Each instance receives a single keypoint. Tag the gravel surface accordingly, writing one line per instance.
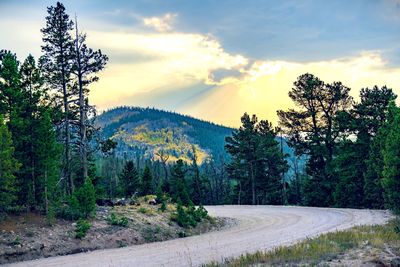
(256, 228)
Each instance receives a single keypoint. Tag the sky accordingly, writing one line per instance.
(216, 59)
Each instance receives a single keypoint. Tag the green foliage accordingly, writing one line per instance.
(349, 188)
(147, 182)
(173, 132)
(81, 204)
(391, 159)
(189, 216)
(8, 167)
(86, 197)
(130, 179)
(257, 162)
(178, 187)
(81, 229)
(142, 210)
(113, 219)
(163, 207)
(311, 130)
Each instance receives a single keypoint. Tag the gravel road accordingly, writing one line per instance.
(256, 228)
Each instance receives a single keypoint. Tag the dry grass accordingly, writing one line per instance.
(323, 248)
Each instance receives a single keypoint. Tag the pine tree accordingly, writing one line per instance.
(312, 131)
(47, 152)
(178, 190)
(130, 179)
(86, 63)
(8, 167)
(391, 160)
(257, 162)
(15, 108)
(371, 115)
(147, 182)
(272, 166)
(57, 64)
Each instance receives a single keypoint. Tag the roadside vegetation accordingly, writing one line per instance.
(27, 236)
(374, 245)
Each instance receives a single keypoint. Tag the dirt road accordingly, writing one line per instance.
(257, 228)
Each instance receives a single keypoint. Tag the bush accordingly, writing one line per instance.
(163, 207)
(142, 210)
(190, 216)
(81, 204)
(82, 227)
(115, 220)
(86, 197)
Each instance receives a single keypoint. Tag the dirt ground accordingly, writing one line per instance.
(256, 228)
(28, 236)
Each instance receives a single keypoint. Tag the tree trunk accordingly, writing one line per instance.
(82, 110)
(46, 200)
(253, 185)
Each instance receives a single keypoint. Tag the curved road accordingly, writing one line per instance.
(257, 228)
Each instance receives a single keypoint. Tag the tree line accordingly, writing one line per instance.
(351, 147)
(46, 121)
(52, 159)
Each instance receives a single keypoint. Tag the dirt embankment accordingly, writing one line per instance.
(28, 236)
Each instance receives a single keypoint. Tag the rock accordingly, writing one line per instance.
(105, 202)
(120, 202)
(152, 202)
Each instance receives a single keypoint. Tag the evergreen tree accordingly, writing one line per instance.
(147, 182)
(47, 152)
(85, 198)
(197, 187)
(312, 131)
(86, 63)
(178, 187)
(371, 115)
(349, 188)
(391, 160)
(8, 167)
(257, 162)
(130, 179)
(272, 166)
(15, 106)
(242, 147)
(57, 64)
(359, 178)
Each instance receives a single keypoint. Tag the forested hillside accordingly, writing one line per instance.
(148, 131)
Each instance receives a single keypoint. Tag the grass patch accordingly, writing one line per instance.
(116, 220)
(143, 210)
(323, 248)
(81, 229)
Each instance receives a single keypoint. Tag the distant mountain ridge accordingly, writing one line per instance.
(146, 131)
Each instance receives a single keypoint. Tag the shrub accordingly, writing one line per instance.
(190, 216)
(115, 220)
(82, 227)
(81, 204)
(86, 196)
(142, 210)
(163, 207)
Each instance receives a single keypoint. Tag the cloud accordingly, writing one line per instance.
(194, 74)
(161, 24)
(159, 61)
(263, 87)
